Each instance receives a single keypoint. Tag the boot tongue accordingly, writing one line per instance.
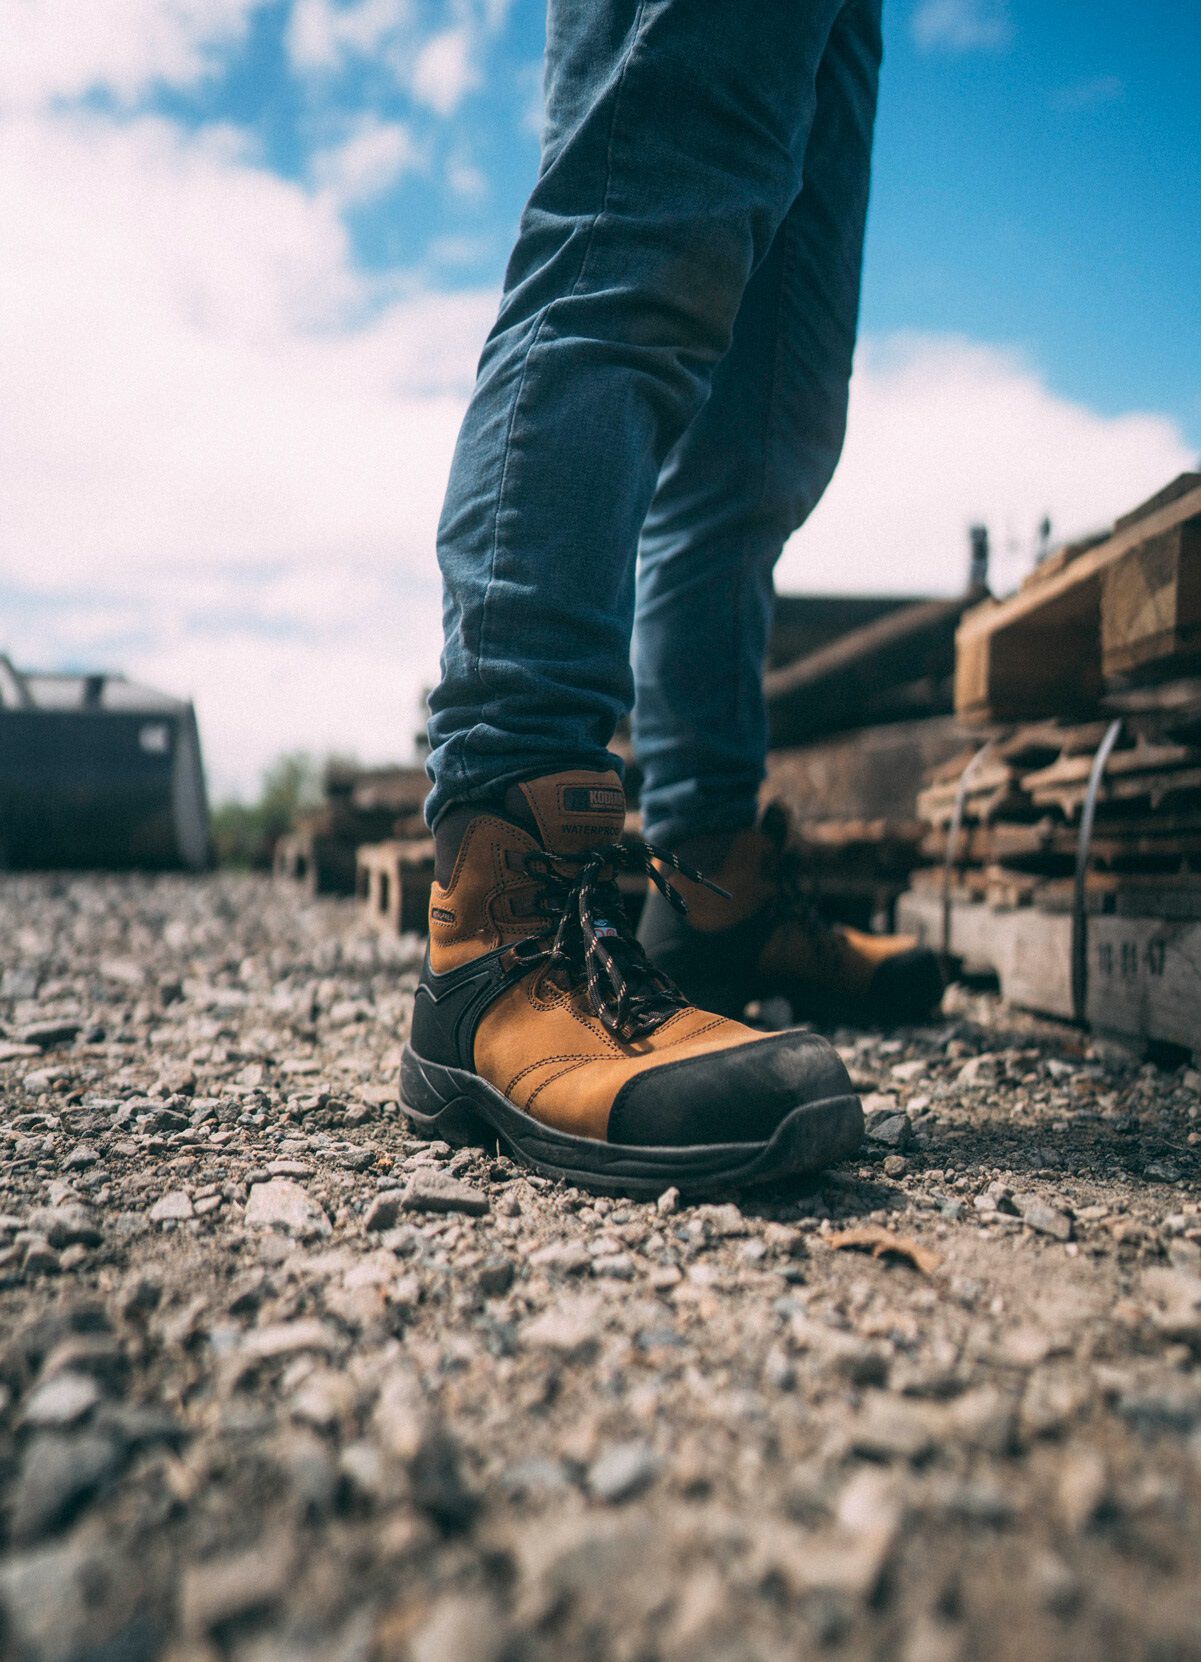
(573, 812)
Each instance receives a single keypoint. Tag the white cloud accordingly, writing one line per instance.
(64, 48)
(465, 178)
(323, 35)
(368, 161)
(963, 25)
(944, 432)
(444, 71)
(230, 456)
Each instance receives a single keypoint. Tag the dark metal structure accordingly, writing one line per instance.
(97, 772)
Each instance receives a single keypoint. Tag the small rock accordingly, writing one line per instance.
(895, 1165)
(622, 1471)
(40, 1258)
(893, 1130)
(45, 1603)
(287, 1339)
(1045, 1219)
(66, 1225)
(384, 1210)
(58, 1475)
(323, 1400)
(618, 1266)
(570, 1329)
(433, 1191)
(894, 1427)
(984, 1418)
(495, 1276)
(173, 1207)
(49, 1035)
(61, 1401)
(1175, 1297)
(1082, 1488)
(222, 1590)
(668, 1202)
(280, 1203)
(461, 1628)
(1161, 1171)
(12, 1052)
(437, 1485)
(562, 1257)
(82, 1155)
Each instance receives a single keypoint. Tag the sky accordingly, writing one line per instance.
(252, 248)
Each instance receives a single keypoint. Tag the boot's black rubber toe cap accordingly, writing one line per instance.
(907, 986)
(727, 1096)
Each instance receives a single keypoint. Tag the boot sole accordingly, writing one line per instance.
(459, 1107)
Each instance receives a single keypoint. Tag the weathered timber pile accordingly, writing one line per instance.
(1090, 619)
(857, 721)
(1067, 848)
(361, 807)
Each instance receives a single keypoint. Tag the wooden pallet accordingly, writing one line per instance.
(1130, 602)
(1143, 973)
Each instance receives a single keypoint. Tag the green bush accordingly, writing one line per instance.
(245, 833)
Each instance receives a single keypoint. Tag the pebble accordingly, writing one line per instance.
(433, 1191)
(1082, 1488)
(61, 1401)
(1044, 1218)
(569, 1329)
(280, 1203)
(58, 1474)
(462, 1627)
(622, 1471)
(893, 1130)
(49, 1035)
(223, 1589)
(173, 1207)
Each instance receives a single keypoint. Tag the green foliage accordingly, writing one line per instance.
(245, 833)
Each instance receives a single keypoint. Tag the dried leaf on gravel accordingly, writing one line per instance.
(883, 1243)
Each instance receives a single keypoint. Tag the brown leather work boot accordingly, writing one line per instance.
(767, 940)
(539, 1023)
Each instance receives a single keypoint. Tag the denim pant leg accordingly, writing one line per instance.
(675, 131)
(749, 470)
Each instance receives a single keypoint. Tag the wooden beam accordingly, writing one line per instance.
(1151, 604)
(896, 667)
(1038, 653)
(1144, 973)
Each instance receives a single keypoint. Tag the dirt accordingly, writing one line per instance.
(280, 1383)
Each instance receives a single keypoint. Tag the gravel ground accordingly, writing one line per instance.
(280, 1383)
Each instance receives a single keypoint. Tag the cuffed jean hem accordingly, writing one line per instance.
(448, 794)
(713, 819)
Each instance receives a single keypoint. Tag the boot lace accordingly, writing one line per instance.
(592, 944)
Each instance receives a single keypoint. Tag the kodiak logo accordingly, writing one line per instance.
(593, 799)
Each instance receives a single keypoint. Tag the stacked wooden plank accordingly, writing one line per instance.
(857, 720)
(1095, 615)
(361, 806)
(1074, 876)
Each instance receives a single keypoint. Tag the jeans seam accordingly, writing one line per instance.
(481, 655)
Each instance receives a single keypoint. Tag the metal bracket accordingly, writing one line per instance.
(1088, 815)
(954, 832)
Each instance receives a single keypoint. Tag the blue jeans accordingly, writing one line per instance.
(664, 391)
